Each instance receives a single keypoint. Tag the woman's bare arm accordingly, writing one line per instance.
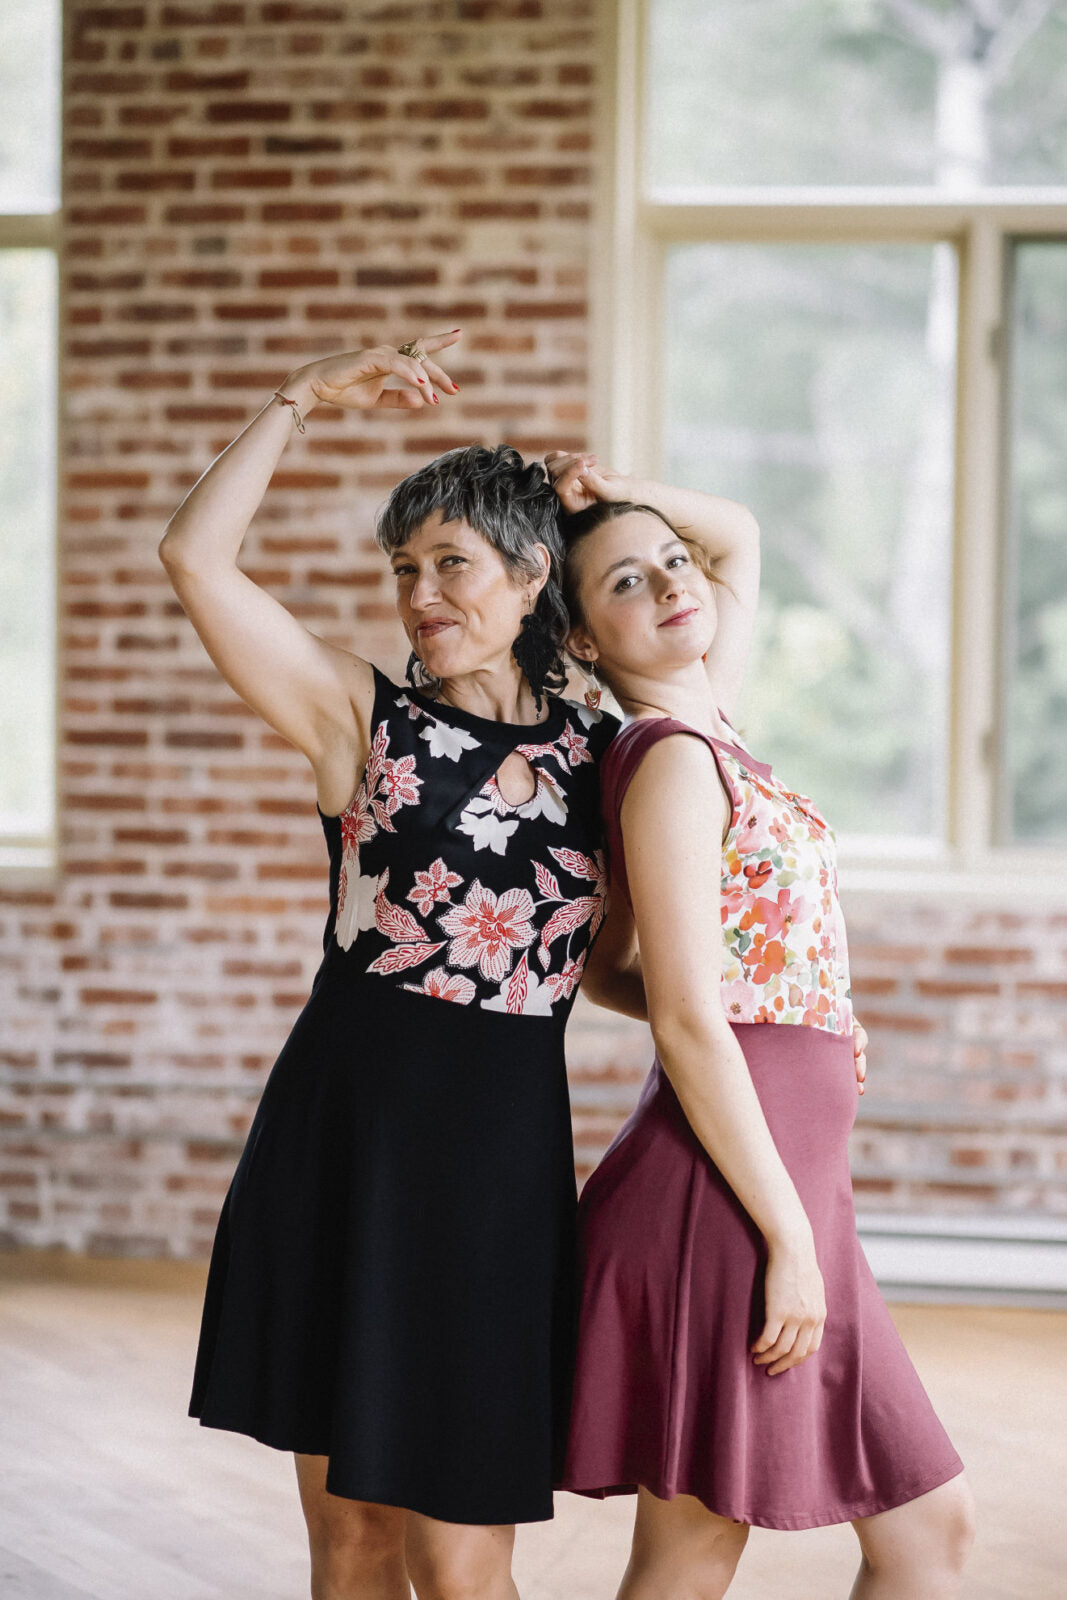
(314, 694)
(673, 807)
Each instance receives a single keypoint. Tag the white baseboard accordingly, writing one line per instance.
(988, 1261)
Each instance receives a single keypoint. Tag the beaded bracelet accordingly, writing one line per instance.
(285, 400)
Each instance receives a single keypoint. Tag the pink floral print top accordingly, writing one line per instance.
(785, 953)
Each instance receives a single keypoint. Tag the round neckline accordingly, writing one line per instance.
(666, 717)
(532, 731)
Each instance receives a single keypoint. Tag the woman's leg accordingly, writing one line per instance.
(357, 1549)
(681, 1551)
(917, 1551)
(457, 1561)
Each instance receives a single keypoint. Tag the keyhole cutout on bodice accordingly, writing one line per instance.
(516, 779)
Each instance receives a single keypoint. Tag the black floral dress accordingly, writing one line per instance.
(392, 1279)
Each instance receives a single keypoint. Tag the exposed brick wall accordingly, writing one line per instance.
(249, 185)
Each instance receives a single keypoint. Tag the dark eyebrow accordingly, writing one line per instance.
(442, 544)
(631, 561)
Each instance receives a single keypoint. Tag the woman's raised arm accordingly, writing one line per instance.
(314, 694)
(673, 815)
(725, 530)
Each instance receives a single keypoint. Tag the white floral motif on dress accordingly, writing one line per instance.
(356, 900)
(561, 985)
(493, 936)
(522, 994)
(445, 740)
(386, 786)
(572, 914)
(398, 786)
(432, 887)
(480, 821)
(487, 927)
(546, 801)
(440, 984)
(576, 746)
(490, 820)
(411, 942)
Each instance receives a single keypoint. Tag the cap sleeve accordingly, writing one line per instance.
(624, 755)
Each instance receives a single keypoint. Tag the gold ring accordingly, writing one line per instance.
(411, 349)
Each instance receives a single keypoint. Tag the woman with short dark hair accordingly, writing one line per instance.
(390, 1293)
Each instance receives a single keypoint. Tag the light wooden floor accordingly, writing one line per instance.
(108, 1492)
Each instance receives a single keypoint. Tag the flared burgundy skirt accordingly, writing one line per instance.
(666, 1393)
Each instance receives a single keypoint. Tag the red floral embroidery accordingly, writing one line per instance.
(396, 923)
(398, 787)
(441, 984)
(572, 914)
(402, 956)
(576, 746)
(561, 985)
(487, 927)
(432, 887)
(518, 988)
(594, 868)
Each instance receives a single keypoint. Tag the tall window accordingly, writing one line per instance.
(29, 204)
(841, 297)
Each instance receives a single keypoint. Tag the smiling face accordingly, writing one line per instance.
(460, 607)
(647, 610)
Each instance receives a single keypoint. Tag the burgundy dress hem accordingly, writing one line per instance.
(888, 1500)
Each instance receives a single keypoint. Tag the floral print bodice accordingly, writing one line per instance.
(445, 889)
(785, 953)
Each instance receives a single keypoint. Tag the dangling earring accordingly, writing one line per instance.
(538, 656)
(593, 691)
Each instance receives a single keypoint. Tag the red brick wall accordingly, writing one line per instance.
(248, 185)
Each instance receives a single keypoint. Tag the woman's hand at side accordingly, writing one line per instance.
(316, 695)
(860, 1042)
(673, 814)
(794, 1305)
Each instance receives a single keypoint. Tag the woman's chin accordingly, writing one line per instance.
(679, 649)
(439, 660)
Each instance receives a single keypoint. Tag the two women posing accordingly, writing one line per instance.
(392, 1293)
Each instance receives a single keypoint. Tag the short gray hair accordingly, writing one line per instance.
(513, 506)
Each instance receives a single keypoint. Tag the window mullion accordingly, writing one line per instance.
(976, 598)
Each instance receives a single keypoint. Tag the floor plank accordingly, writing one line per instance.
(109, 1492)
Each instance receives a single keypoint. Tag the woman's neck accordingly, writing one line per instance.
(688, 697)
(498, 694)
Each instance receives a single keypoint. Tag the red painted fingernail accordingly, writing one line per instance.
(456, 387)
(420, 380)
(435, 400)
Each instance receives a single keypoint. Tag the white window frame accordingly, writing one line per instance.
(633, 234)
(35, 856)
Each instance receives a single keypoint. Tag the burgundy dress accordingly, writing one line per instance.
(666, 1393)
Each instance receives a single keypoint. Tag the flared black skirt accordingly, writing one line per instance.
(392, 1282)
